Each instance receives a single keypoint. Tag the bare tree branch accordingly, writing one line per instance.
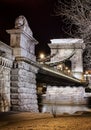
(79, 14)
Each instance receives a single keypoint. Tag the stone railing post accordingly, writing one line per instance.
(23, 75)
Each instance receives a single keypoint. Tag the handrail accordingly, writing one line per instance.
(61, 73)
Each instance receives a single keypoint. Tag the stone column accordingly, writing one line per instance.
(77, 64)
(23, 75)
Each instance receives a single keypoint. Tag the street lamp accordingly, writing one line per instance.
(42, 56)
(86, 75)
(60, 67)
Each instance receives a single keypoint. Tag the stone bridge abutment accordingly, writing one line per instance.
(18, 74)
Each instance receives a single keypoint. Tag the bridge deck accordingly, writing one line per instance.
(53, 77)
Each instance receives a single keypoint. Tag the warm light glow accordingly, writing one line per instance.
(68, 71)
(60, 66)
(42, 56)
(66, 68)
(86, 72)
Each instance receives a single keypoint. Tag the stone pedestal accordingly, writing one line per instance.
(23, 75)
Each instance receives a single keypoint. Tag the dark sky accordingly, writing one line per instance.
(39, 13)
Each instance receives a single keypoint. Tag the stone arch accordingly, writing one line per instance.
(72, 49)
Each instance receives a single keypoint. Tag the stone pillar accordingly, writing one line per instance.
(71, 48)
(87, 57)
(77, 64)
(87, 64)
(23, 75)
(6, 61)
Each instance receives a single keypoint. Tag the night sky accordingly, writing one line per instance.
(40, 15)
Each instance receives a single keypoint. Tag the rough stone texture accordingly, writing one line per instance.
(77, 69)
(87, 57)
(23, 74)
(66, 95)
(65, 99)
(6, 61)
(23, 89)
(6, 52)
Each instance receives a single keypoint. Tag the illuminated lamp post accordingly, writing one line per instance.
(66, 68)
(42, 56)
(86, 75)
(60, 67)
(69, 71)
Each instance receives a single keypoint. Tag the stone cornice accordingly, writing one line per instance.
(21, 31)
(27, 61)
(67, 46)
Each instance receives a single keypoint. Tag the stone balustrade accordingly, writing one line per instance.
(6, 63)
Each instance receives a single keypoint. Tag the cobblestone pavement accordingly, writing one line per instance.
(40, 121)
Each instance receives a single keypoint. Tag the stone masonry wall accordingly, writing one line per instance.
(6, 61)
(23, 87)
(66, 95)
(65, 100)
